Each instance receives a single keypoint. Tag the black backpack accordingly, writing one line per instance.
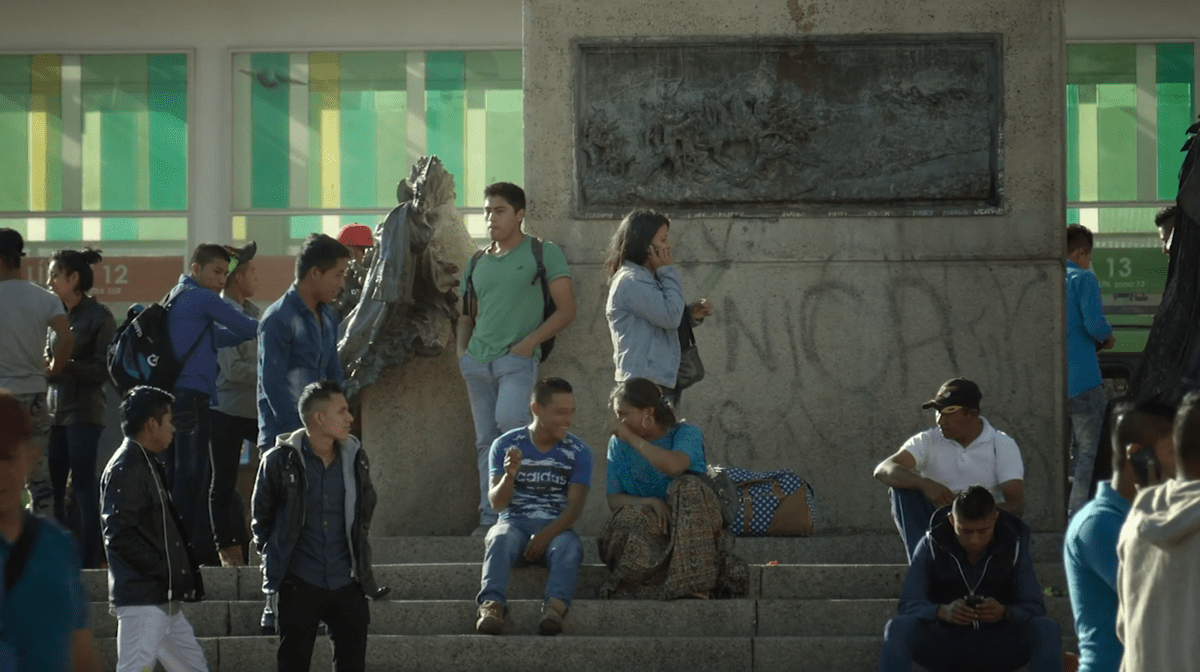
(141, 352)
(548, 306)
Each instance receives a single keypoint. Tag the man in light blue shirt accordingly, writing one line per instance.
(1086, 326)
(1090, 546)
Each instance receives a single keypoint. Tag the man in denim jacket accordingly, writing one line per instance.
(297, 339)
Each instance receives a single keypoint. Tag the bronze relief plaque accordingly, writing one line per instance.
(826, 126)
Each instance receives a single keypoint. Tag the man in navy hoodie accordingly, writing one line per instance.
(971, 600)
(199, 321)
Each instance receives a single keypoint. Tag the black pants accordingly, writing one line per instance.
(225, 505)
(302, 606)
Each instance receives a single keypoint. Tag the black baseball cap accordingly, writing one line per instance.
(11, 243)
(956, 392)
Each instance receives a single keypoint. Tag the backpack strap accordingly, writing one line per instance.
(470, 293)
(536, 247)
(21, 551)
(169, 301)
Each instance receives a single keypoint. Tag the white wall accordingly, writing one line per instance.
(1132, 19)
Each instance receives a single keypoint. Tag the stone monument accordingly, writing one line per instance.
(869, 194)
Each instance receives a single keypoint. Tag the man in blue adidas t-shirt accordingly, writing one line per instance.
(540, 477)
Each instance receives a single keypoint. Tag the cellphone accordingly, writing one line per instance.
(1143, 461)
(974, 600)
(651, 248)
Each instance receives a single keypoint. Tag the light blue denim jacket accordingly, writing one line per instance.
(643, 318)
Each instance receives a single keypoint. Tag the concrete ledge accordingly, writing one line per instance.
(460, 581)
(859, 582)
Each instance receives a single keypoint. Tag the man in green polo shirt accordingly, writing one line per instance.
(499, 336)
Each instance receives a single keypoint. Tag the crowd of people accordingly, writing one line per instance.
(166, 503)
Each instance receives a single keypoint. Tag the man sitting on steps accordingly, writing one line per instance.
(540, 477)
(971, 600)
(963, 449)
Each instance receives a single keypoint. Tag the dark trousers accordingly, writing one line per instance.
(944, 648)
(187, 468)
(73, 451)
(225, 505)
(911, 510)
(302, 606)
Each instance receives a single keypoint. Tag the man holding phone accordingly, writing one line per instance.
(971, 599)
(1142, 456)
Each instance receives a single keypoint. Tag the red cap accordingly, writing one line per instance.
(358, 235)
(15, 422)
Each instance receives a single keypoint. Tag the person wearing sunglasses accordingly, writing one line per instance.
(938, 463)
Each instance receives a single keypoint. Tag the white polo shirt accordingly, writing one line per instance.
(991, 459)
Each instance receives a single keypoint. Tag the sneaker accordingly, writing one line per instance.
(553, 612)
(482, 530)
(491, 618)
(231, 556)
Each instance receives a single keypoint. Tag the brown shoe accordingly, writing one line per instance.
(491, 618)
(553, 612)
(231, 556)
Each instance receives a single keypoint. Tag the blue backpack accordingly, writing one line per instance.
(141, 352)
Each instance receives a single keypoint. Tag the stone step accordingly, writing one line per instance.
(460, 581)
(591, 618)
(455, 653)
(869, 548)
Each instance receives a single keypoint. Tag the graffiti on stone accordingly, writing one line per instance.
(820, 126)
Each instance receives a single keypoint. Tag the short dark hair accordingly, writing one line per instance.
(80, 263)
(641, 393)
(1143, 423)
(1166, 216)
(974, 503)
(320, 392)
(546, 388)
(321, 252)
(631, 242)
(1079, 237)
(206, 253)
(511, 193)
(1187, 434)
(140, 404)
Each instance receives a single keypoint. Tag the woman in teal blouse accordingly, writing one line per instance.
(661, 510)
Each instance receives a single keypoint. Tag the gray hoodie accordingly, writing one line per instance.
(1158, 580)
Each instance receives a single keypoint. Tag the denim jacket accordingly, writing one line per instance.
(644, 312)
(293, 351)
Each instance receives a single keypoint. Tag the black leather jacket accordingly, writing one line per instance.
(278, 509)
(149, 559)
(77, 394)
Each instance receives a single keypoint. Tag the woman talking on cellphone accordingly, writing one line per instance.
(645, 301)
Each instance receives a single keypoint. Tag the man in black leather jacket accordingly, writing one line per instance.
(312, 508)
(151, 570)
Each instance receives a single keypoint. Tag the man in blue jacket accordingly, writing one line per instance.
(1090, 546)
(1086, 327)
(199, 318)
(297, 341)
(971, 600)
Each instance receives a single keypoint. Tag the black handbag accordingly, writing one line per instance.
(691, 369)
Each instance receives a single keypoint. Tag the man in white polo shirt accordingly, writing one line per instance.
(936, 464)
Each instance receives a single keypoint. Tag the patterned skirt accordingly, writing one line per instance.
(695, 555)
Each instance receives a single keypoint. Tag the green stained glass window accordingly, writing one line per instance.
(93, 133)
(336, 131)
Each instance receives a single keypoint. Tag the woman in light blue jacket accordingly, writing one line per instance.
(645, 301)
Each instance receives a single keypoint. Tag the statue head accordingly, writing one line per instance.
(428, 184)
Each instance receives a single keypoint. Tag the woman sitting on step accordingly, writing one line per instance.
(666, 538)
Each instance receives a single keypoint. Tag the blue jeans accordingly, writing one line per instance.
(505, 549)
(73, 451)
(911, 510)
(945, 648)
(499, 392)
(187, 462)
(1086, 414)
